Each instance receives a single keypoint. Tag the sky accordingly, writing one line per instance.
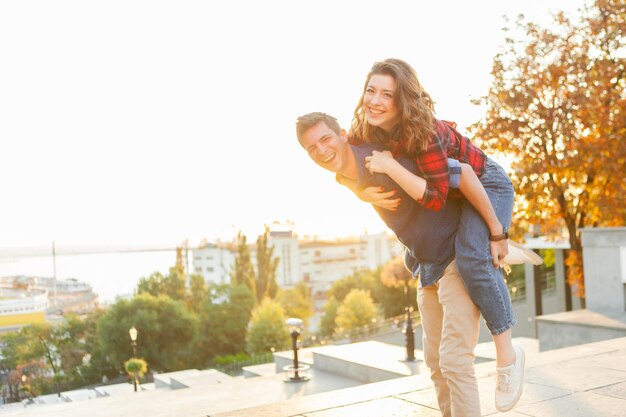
(154, 122)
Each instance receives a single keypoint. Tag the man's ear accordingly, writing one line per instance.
(344, 135)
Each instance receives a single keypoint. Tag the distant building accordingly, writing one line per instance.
(316, 262)
(213, 262)
(29, 299)
(20, 307)
(286, 249)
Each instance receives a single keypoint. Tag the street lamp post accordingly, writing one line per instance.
(295, 326)
(133, 341)
(408, 327)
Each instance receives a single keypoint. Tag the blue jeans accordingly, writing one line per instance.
(485, 284)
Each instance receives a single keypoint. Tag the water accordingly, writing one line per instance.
(109, 274)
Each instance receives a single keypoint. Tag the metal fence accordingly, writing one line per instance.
(236, 368)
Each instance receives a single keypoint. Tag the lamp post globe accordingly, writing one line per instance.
(133, 339)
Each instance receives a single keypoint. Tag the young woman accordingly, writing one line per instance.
(394, 110)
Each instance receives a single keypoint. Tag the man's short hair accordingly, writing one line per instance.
(307, 121)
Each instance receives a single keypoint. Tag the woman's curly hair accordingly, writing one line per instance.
(417, 120)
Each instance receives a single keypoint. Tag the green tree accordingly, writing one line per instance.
(365, 280)
(390, 299)
(267, 329)
(20, 358)
(223, 322)
(154, 284)
(75, 343)
(327, 322)
(297, 302)
(172, 285)
(166, 330)
(54, 357)
(556, 107)
(242, 271)
(95, 361)
(356, 311)
(175, 283)
(42, 341)
(197, 294)
(266, 267)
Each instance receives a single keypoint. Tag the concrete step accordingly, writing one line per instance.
(579, 381)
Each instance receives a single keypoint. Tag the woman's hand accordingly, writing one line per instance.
(499, 250)
(379, 197)
(379, 162)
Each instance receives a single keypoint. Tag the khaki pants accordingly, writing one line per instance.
(450, 324)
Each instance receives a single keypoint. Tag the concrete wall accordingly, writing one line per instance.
(604, 257)
(557, 332)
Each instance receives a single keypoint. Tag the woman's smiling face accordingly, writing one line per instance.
(379, 102)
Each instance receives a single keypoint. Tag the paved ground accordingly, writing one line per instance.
(579, 381)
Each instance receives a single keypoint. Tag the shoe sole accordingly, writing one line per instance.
(519, 394)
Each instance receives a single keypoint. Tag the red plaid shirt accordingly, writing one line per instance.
(432, 163)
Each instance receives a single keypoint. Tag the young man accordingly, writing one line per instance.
(449, 317)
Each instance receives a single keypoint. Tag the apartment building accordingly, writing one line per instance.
(316, 262)
(213, 262)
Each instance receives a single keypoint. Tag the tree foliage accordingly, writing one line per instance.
(394, 274)
(242, 272)
(136, 368)
(223, 322)
(556, 107)
(172, 285)
(267, 330)
(197, 293)
(297, 302)
(365, 280)
(50, 357)
(356, 311)
(165, 331)
(391, 299)
(262, 279)
(329, 315)
(266, 264)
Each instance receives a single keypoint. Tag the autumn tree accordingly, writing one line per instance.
(556, 108)
(399, 288)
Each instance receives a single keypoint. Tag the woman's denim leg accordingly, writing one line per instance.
(484, 283)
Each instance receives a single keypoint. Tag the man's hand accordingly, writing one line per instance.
(379, 197)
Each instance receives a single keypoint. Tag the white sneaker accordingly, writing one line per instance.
(521, 255)
(510, 381)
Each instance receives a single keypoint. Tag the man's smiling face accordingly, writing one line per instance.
(327, 148)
